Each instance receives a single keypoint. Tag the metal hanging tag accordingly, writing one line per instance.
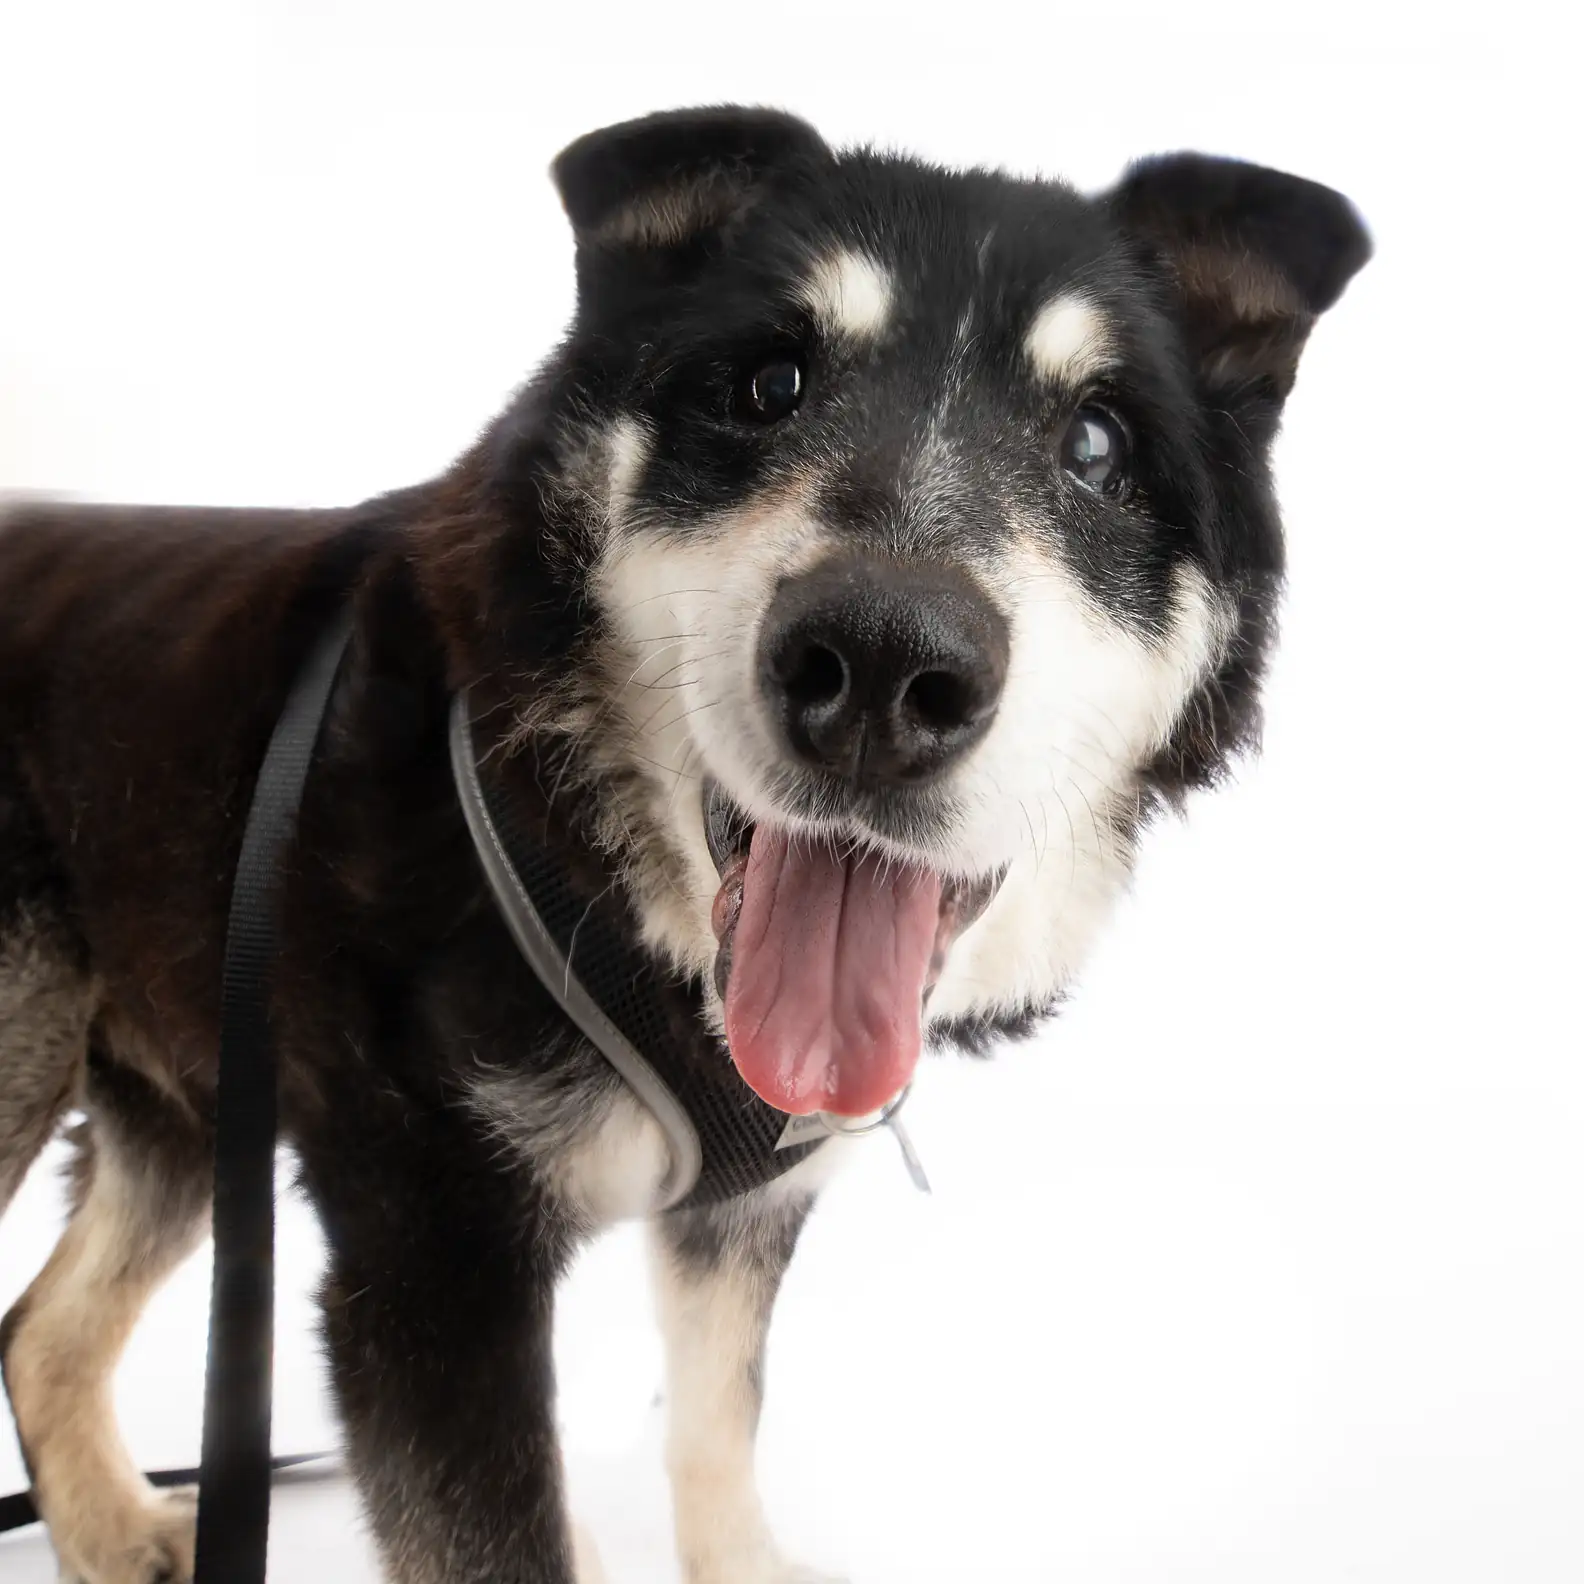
(910, 1158)
(800, 1128)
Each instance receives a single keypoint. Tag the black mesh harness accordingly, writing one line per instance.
(724, 1139)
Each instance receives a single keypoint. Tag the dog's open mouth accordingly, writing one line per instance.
(827, 953)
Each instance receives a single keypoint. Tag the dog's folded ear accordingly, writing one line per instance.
(1256, 256)
(666, 178)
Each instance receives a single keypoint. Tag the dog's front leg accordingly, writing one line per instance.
(438, 1320)
(717, 1272)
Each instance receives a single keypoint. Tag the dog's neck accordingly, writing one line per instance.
(496, 565)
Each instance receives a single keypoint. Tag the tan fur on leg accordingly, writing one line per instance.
(63, 1340)
(714, 1318)
(712, 1338)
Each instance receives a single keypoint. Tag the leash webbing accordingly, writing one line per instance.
(19, 1510)
(235, 1465)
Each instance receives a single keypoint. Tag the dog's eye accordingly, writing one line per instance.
(1095, 450)
(772, 391)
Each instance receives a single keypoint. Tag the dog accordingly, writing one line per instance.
(881, 548)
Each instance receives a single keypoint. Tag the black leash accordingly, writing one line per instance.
(234, 1472)
(235, 1464)
(18, 1511)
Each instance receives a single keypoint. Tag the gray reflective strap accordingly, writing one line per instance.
(544, 956)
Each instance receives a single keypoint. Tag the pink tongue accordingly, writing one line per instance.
(828, 964)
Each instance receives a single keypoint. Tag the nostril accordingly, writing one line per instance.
(882, 674)
(939, 700)
(819, 676)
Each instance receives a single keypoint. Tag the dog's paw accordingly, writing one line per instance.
(151, 1543)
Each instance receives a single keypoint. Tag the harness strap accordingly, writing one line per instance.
(538, 944)
(725, 1141)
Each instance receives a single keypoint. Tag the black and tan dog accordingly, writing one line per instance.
(880, 548)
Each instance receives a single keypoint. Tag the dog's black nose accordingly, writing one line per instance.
(882, 673)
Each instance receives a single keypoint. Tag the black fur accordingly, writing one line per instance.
(726, 149)
(1310, 235)
(400, 997)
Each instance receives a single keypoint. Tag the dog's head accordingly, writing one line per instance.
(930, 538)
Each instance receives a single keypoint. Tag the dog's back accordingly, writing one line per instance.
(104, 607)
(164, 640)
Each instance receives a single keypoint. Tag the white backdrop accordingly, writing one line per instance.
(1263, 1263)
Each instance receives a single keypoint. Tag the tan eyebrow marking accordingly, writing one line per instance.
(849, 294)
(1068, 340)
